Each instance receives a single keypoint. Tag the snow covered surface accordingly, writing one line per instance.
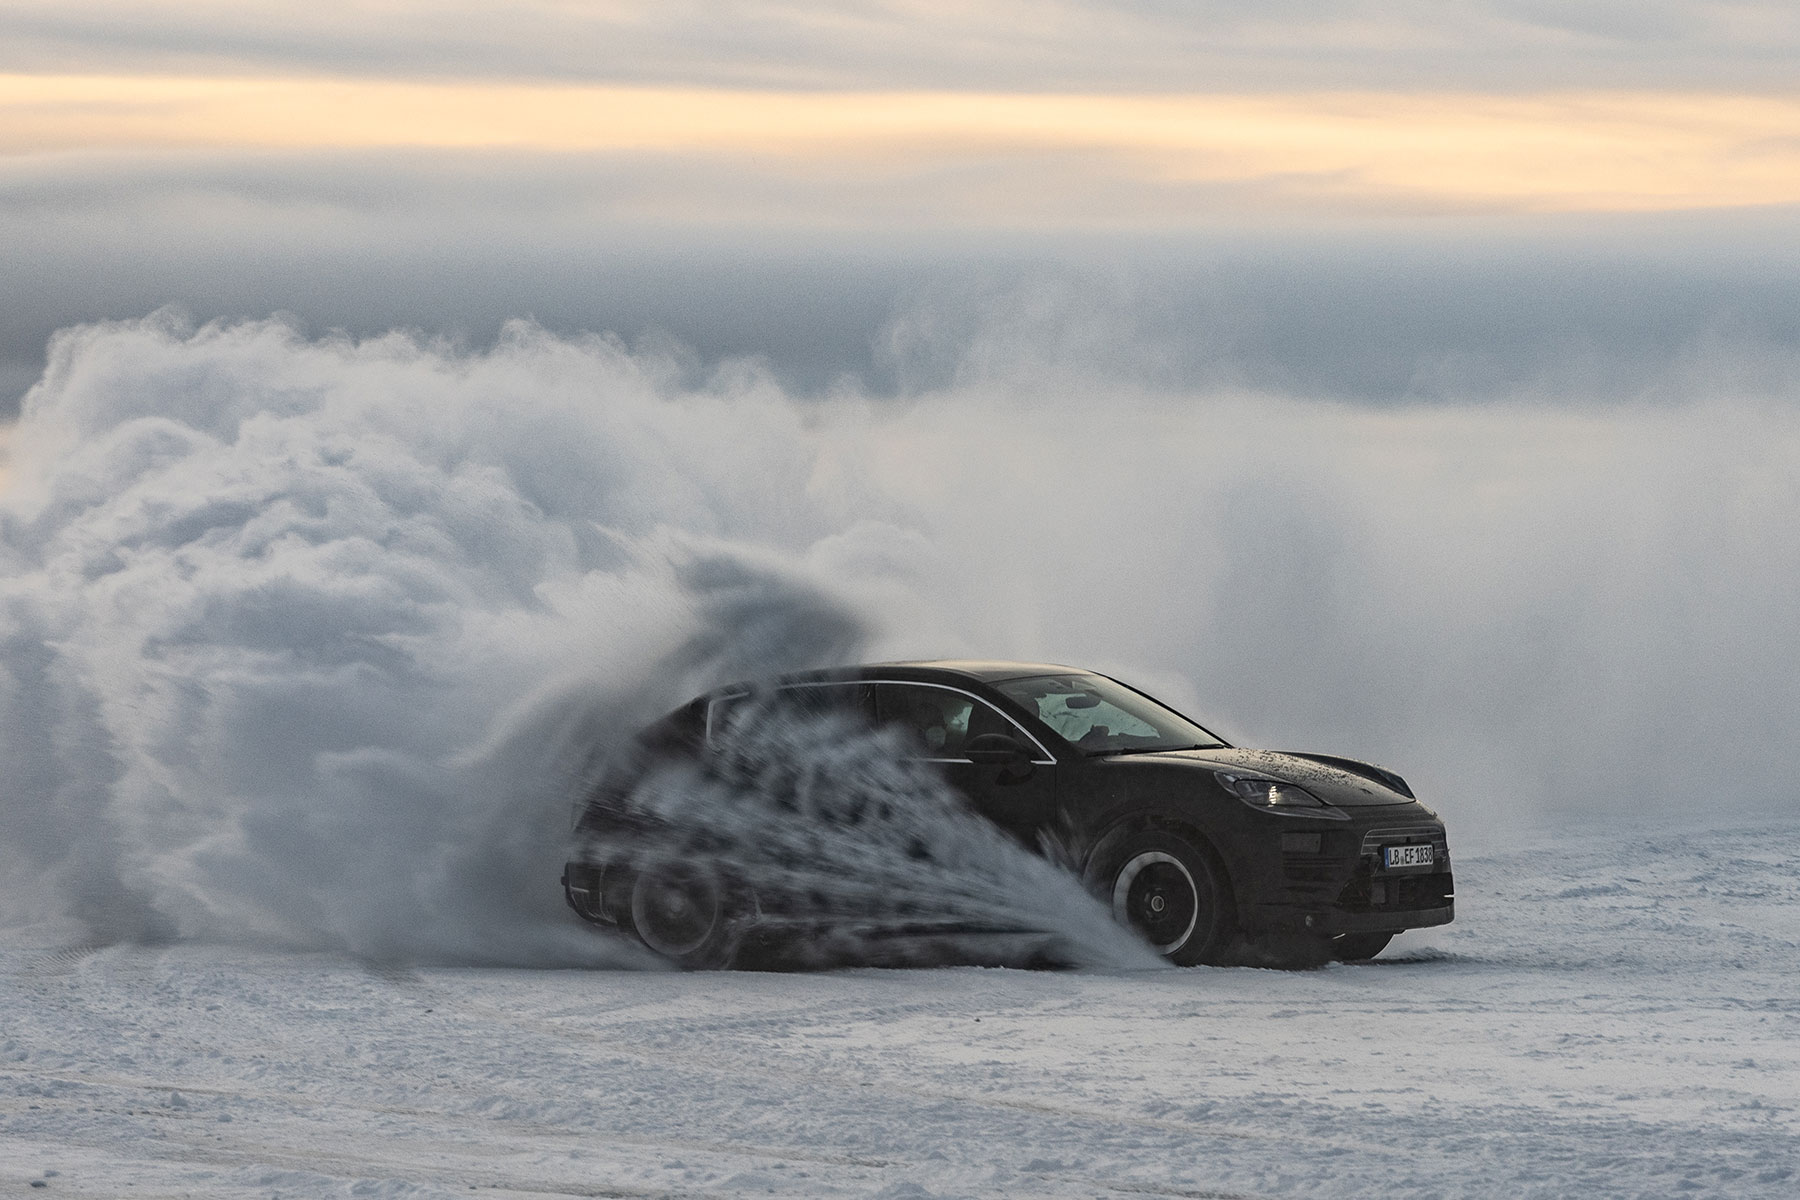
(1610, 1016)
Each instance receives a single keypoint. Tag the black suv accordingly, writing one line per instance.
(1210, 852)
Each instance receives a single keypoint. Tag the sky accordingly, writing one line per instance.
(1283, 194)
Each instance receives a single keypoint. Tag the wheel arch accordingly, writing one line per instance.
(1166, 821)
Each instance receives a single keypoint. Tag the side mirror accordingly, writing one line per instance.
(996, 749)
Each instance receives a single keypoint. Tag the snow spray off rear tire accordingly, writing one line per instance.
(683, 913)
(1167, 890)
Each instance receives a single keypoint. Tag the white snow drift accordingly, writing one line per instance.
(1611, 1017)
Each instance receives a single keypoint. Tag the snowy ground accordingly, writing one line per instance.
(1620, 1019)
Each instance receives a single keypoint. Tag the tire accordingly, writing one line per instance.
(683, 913)
(1359, 947)
(1167, 890)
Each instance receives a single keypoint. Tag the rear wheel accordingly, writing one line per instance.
(683, 913)
(1359, 947)
(1166, 889)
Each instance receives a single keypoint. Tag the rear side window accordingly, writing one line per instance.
(679, 732)
(801, 701)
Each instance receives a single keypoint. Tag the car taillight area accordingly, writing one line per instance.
(582, 887)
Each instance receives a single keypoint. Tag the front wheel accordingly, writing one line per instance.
(1165, 889)
(683, 913)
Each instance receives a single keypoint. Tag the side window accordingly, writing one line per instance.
(853, 700)
(937, 721)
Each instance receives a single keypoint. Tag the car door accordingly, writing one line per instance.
(940, 721)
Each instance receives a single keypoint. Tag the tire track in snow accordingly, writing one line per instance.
(467, 1141)
(352, 1169)
(302, 1104)
(709, 1062)
(57, 961)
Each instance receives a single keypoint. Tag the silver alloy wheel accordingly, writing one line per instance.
(1150, 894)
(676, 909)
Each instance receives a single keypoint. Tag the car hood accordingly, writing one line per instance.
(1342, 782)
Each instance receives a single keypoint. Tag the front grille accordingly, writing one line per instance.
(1372, 889)
(1369, 892)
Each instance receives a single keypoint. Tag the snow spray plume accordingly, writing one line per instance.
(315, 643)
(280, 618)
(855, 854)
(301, 639)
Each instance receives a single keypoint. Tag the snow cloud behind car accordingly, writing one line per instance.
(299, 632)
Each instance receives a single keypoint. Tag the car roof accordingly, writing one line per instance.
(982, 670)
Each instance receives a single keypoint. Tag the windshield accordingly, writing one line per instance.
(1103, 717)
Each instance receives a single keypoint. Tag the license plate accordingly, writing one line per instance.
(1407, 856)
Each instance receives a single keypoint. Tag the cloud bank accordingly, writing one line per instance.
(1123, 45)
(981, 157)
(1598, 308)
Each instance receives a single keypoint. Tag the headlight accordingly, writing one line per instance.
(1273, 795)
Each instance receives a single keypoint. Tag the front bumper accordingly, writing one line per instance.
(1332, 922)
(1331, 882)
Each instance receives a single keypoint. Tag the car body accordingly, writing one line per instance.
(1213, 853)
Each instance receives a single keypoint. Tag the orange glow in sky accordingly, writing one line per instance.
(1556, 152)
